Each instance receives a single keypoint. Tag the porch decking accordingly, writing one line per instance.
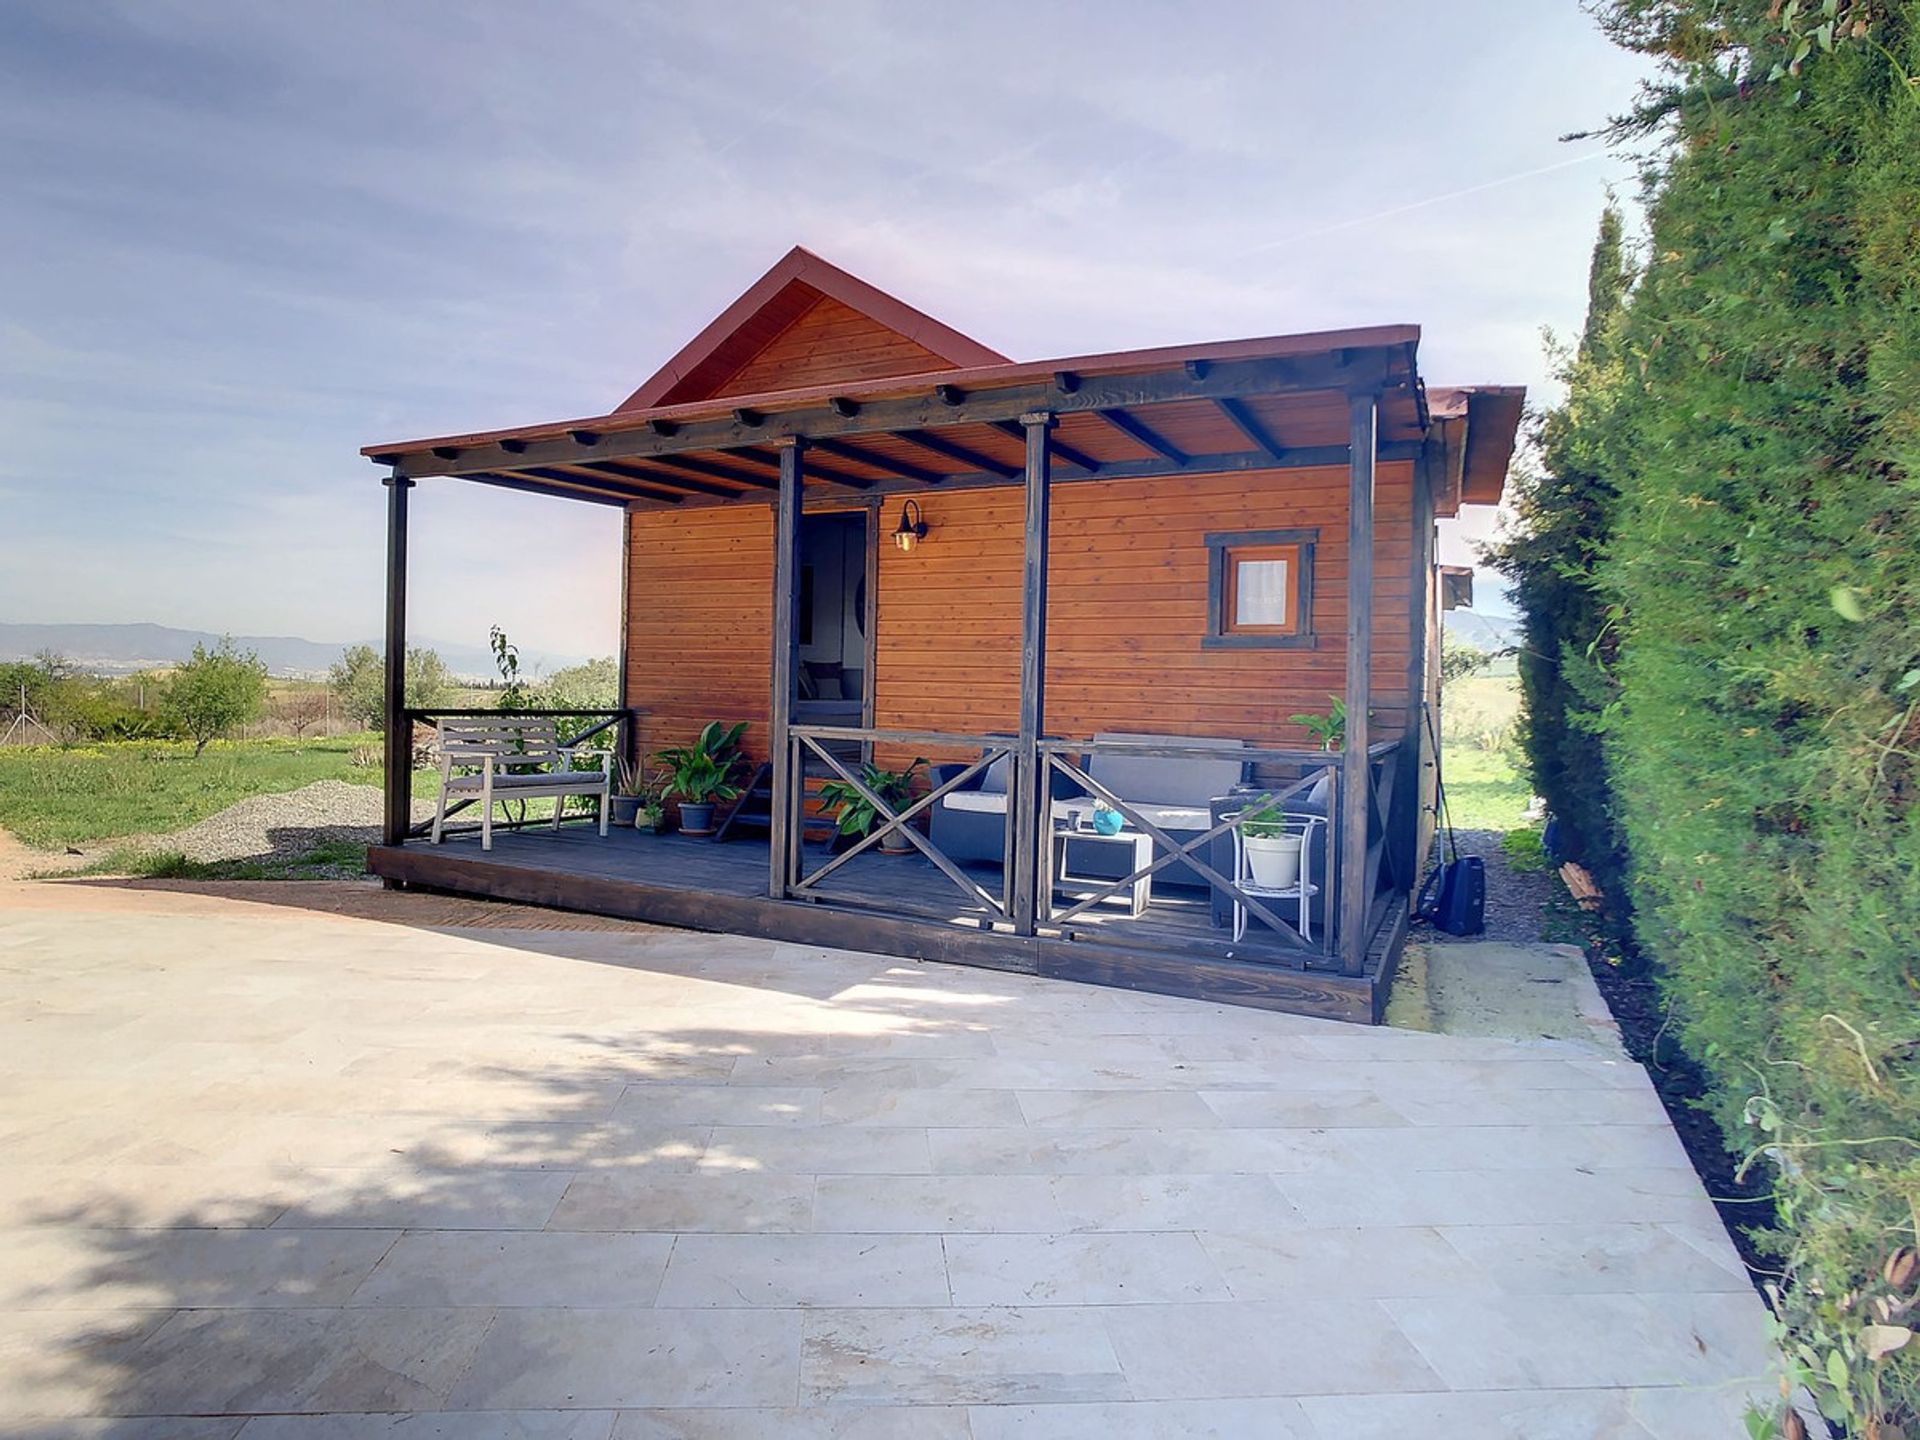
(676, 880)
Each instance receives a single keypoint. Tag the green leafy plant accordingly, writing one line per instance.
(853, 813)
(705, 772)
(1526, 852)
(1330, 729)
(1264, 822)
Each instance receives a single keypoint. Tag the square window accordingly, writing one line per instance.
(1260, 589)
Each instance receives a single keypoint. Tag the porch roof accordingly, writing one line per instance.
(686, 438)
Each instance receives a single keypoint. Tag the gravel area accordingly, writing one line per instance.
(1516, 903)
(278, 827)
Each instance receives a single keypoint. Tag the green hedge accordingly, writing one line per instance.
(1761, 569)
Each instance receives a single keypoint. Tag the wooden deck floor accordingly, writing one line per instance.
(896, 905)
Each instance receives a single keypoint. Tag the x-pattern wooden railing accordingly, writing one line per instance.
(1170, 850)
(814, 739)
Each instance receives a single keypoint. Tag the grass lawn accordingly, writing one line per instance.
(69, 795)
(1485, 789)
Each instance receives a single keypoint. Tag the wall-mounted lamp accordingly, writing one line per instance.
(912, 529)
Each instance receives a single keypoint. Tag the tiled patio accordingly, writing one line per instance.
(318, 1174)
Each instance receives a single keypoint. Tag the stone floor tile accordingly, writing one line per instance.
(1258, 1419)
(446, 1200)
(807, 1270)
(1134, 1268)
(1114, 1109)
(240, 1361)
(935, 1204)
(456, 1425)
(621, 1359)
(517, 1267)
(665, 1105)
(958, 1356)
(821, 1150)
(145, 1427)
(1121, 1152)
(58, 1363)
(1484, 1415)
(1296, 1263)
(1591, 1259)
(920, 1106)
(1515, 1147)
(1342, 1195)
(1484, 1342)
(740, 1202)
(1170, 1202)
(43, 1267)
(820, 1422)
(1197, 1352)
(1692, 1412)
(1282, 1110)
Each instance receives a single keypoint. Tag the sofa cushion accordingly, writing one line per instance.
(982, 802)
(1165, 779)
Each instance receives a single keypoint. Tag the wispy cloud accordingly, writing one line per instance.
(245, 239)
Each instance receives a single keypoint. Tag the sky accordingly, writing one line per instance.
(242, 240)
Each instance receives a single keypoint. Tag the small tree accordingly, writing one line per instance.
(359, 683)
(300, 710)
(358, 686)
(1458, 659)
(214, 691)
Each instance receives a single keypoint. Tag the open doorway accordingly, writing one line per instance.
(835, 669)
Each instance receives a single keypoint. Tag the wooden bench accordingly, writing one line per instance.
(514, 758)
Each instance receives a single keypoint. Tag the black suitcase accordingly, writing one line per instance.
(1454, 898)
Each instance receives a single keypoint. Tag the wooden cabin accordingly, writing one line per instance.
(1133, 583)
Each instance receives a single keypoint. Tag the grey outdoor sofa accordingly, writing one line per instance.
(969, 824)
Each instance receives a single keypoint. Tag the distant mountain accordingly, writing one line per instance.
(1483, 632)
(123, 649)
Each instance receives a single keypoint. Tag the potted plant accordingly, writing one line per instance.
(1329, 729)
(628, 794)
(855, 815)
(653, 812)
(1273, 855)
(701, 775)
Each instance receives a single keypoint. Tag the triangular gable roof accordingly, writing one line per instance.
(806, 322)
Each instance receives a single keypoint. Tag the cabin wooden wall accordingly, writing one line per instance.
(699, 642)
(1127, 611)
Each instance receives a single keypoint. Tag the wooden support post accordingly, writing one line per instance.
(399, 730)
(1032, 822)
(782, 831)
(1356, 783)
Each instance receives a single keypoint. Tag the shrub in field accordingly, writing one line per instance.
(214, 692)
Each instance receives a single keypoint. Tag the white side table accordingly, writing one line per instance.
(1138, 846)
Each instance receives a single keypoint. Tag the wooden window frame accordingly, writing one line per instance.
(1222, 633)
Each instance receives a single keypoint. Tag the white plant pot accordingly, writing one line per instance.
(1274, 860)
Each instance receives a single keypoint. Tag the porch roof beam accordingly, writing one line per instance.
(1248, 424)
(1077, 458)
(1373, 367)
(555, 489)
(1143, 434)
(874, 460)
(613, 485)
(755, 455)
(693, 465)
(628, 470)
(938, 445)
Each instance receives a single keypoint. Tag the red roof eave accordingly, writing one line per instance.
(978, 377)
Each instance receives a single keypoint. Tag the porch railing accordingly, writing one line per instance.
(812, 752)
(820, 751)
